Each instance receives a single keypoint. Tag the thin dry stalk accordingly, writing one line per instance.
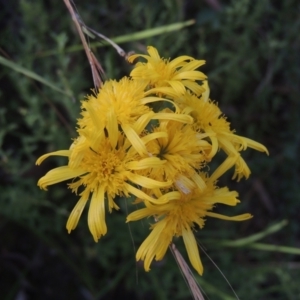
(120, 51)
(96, 68)
(187, 273)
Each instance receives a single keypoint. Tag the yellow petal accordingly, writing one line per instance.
(224, 196)
(139, 126)
(140, 71)
(179, 60)
(205, 95)
(96, 119)
(147, 182)
(76, 213)
(192, 249)
(227, 145)
(78, 150)
(96, 215)
(146, 139)
(255, 145)
(55, 153)
(175, 117)
(131, 58)
(226, 165)
(195, 87)
(152, 99)
(192, 75)
(162, 90)
(153, 136)
(135, 140)
(111, 203)
(157, 193)
(59, 174)
(187, 110)
(155, 99)
(169, 196)
(242, 217)
(201, 136)
(153, 52)
(140, 194)
(241, 169)
(214, 144)
(149, 162)
(177, 86)
(148, 249)
(138, 214)
(199, 181)
(112, 128)
(192, 65)
(95, 140)
(142, 122)
(163, 244)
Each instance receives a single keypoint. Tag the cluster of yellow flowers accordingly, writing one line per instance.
(129, 144)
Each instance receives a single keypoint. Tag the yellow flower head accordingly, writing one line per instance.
(118, 103)
(178, 218)
(209, 119)
(103, 172)
(121, 104)
(183, 150)
(168, 77)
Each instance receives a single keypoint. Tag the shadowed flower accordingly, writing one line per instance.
(168, 77)
(103, 172)
(178, 218)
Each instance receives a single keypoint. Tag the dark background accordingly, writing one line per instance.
(252, 58)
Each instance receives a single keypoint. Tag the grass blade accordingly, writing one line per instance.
(17, 68)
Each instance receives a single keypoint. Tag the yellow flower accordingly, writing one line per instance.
(209, 119)
(104, 172)
(183, 150)
(168, 77)
(178, 218)
(121, 104)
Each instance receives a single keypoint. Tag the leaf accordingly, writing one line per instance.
(128, 37)
(30, 74)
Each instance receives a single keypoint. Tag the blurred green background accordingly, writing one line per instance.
(252, 58)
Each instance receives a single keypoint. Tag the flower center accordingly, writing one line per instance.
(104, 167)
(102, 164)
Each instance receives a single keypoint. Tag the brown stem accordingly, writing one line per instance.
(95, 65)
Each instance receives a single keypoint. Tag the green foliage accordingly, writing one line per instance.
(252, 53)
